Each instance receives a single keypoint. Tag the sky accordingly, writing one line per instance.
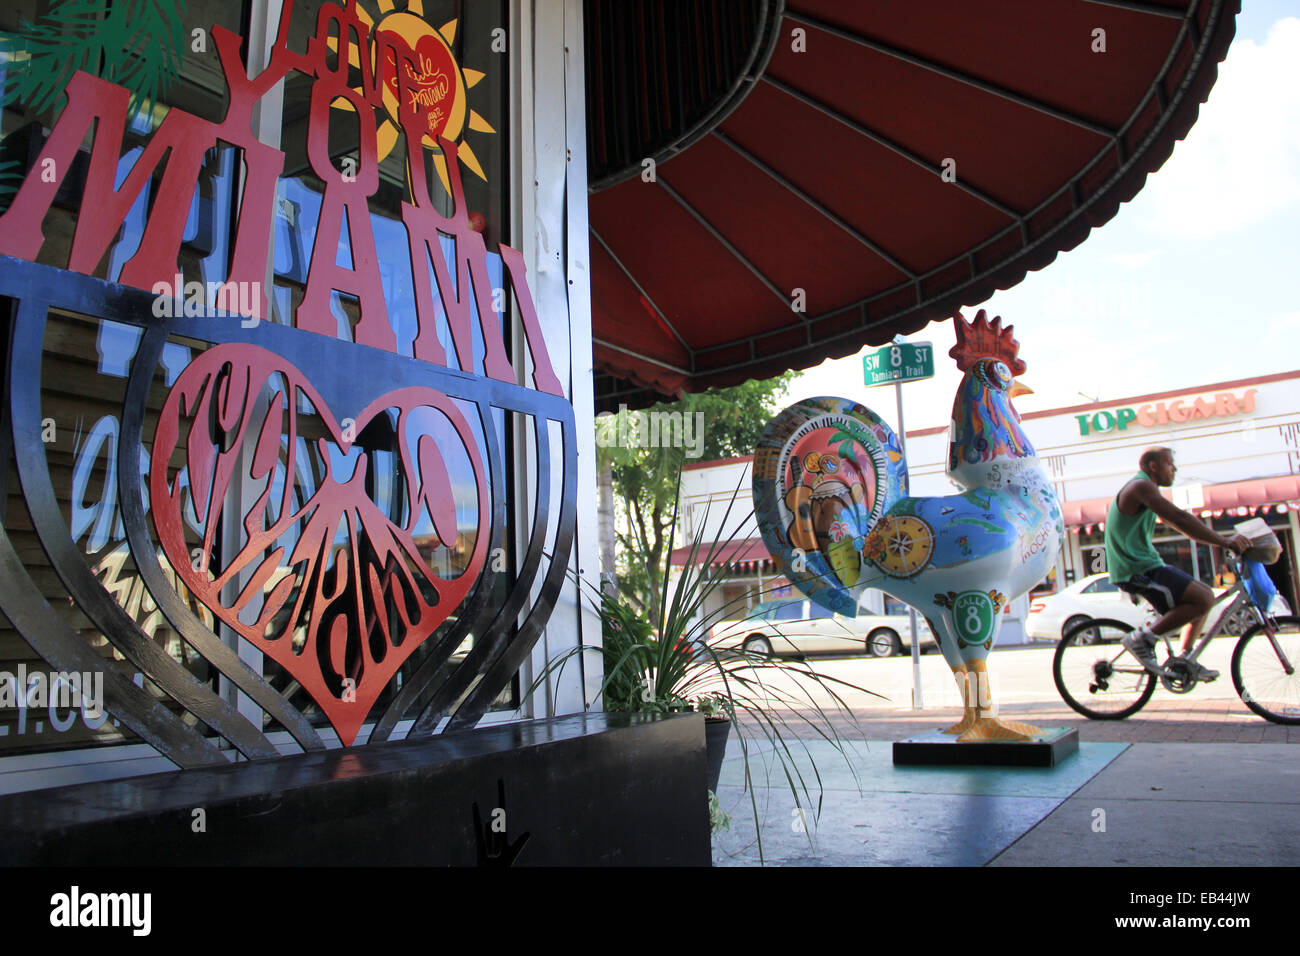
(1193, 282)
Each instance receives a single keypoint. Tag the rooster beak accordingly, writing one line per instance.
(1017, 388)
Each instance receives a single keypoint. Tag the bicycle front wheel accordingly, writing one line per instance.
(1260, 671)
(1100, 678)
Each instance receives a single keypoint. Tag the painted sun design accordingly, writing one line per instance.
(441, 85)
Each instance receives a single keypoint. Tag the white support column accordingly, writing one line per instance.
(550, 182)
(267, 121)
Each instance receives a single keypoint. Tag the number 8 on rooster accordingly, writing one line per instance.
(974, 616)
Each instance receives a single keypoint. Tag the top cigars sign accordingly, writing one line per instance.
(1156, 414)
(386, 62)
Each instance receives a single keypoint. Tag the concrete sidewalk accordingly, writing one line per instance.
(1126, 802)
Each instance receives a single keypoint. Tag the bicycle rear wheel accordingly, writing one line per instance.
(1101, 679)
(1260, 677)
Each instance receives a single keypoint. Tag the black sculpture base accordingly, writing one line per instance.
(940, 749)
(590, 789)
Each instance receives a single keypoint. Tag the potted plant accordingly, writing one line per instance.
(674, 670)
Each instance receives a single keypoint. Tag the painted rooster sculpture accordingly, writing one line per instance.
(830, 489)
(959, 559)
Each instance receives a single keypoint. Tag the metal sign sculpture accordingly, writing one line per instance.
(336, 586)
(830, 492)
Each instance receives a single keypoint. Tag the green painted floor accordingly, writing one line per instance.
(874, 814)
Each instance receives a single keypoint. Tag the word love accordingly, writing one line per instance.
(179, 148)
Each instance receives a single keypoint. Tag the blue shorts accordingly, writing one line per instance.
(1164, 587)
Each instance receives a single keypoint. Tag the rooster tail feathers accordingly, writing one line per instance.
(826, 471)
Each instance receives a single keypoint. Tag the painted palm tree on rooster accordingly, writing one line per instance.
(830, 490)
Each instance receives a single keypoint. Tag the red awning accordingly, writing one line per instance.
(1223, 497)
(892, 162)
(745, 551)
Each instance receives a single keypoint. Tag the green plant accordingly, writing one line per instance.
(719, 820)
(674, 670)
(642, 472)
(712, 705)
(135, 43)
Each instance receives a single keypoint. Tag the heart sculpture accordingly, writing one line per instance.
(435, 84)
(335, 588)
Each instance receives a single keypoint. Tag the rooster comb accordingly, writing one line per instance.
(984, 339)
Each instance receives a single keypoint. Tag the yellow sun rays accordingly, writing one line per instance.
(388, 131)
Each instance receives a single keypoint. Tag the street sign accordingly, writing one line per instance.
(894, 365)
(905, 362)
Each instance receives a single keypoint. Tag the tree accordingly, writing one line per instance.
(645, 452)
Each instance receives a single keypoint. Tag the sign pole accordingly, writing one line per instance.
(917, 702)
(898, 363)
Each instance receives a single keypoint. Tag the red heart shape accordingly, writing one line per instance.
(345, 589)
(433, 81)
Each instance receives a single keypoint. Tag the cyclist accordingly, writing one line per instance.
(1137, 568)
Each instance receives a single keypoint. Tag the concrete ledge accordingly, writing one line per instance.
(589, 789)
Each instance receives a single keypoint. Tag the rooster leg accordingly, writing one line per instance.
(970, 714)
(986, 724)
(951, 647)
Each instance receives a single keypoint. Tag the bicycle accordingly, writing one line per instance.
(1099, 678)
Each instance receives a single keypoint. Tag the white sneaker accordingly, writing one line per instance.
(1205, 674)
(1142, 645)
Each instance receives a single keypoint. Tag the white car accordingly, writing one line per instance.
(797, 627)
(1093, 597)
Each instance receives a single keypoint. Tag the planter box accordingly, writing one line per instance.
(589, 789)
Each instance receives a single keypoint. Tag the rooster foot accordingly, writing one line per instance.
(995, 728)
(968, 720)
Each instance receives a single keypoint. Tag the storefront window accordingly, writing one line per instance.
(86, 361)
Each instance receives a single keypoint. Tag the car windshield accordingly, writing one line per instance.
(1100, 586)
(789, 612)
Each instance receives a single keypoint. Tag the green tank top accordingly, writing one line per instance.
(1128, 540)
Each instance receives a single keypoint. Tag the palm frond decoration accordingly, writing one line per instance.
(11, 176)
(136, 44)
